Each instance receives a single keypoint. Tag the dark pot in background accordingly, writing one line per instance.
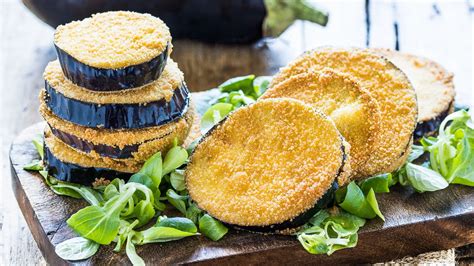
(214, 21)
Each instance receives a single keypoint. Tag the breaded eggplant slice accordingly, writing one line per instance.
(267, 165)
(137, 144)
(388, 85)
(158, 103)
(433, 85)
(66, 164)
(114, 50)
(354, 111)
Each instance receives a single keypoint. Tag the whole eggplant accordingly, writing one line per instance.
(215, 21)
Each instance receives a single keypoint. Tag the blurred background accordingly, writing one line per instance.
(227, 40)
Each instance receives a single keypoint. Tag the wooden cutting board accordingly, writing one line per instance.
(415, 223)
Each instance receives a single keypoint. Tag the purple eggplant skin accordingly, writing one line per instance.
(118, 116)
(428, 128)
(102, 149)
(74, 173)
(101, 79)
(215, 21)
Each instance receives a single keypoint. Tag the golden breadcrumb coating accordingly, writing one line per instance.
(150, 139)
(266, 163)
(162, 88)
(433, 84)
(115, 137)
(385, 82)
(114, 39)
(67, 154)
(354, 111)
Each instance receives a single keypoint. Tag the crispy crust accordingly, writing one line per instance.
(147, 140)
(433, 84)
(266, 163)
(115, 138)
(386, 83)
(163, 88)
(114, 39)
(354, 111)
(67, 154)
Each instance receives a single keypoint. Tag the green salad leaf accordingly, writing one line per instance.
(132, 255)
(463, 164)
(422, 179)
(235, 93)
(193, 213)
(153, 168)
(178, 201)
(212, 228)
(355, 202)
(38, 143)
(416, 152)
(177, 180)
(244, 83)
(452, 152)
(77, 248)
(214, 115)
(78, 191)
(179, 223)
(236, 98)
(174, 158)
(328, 232)
(34, 166)
(379, 184)
(260, 84)
(162, 234)
(101, 223)
(167, 229)
(139, 178)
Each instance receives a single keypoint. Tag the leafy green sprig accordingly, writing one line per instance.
(235, 93)
(451, 162)
(329, 231)
(118, 210)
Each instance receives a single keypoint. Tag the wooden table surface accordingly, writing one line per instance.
(441, 30)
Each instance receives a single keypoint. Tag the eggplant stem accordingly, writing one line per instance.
(282, 13)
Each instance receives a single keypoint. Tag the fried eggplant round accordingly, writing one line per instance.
(433, 85)
(137, 144)
(354, 111)
(267, 164)
(388, 85)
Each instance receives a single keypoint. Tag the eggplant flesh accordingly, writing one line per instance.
(74, 173)
(101, 79)
(325, 201)
(118, 116)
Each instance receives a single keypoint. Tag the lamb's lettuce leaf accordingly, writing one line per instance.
(328, 232)
(357, 203)
(452, 152)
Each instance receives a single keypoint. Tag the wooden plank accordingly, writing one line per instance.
(442, 31)
(415, 223)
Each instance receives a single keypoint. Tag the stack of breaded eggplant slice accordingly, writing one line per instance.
(330, 116)
(113, 98)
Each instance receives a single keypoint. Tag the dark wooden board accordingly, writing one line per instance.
(415, 223)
